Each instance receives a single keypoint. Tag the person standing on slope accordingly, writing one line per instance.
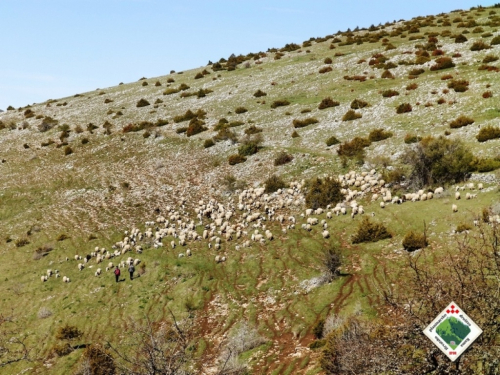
(131, 269)
(117, 273)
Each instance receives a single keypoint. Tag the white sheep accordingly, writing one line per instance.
(454, 208)
(382, 204)
(49, 273)
(44, 278)
(325, 234)
(457, 195)
(81, 266)
(188, 252)
(480, 186)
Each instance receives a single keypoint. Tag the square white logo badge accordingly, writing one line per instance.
(452, 331)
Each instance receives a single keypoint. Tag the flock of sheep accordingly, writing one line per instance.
(248, 220)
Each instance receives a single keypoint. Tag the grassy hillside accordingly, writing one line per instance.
(78, 172)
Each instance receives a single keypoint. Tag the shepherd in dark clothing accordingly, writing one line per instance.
(117, 273)
(131, 269)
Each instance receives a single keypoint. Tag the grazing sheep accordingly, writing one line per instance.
(49, 273)
(188, 252)
(81, 266)
(382, 204)
(454, 208)
(329, 215)
(480, 186)
(325, 234)
(218, 259)
(44, 278)
(269, 235)
(457, 195)
(439, 190)
(181, 255)
(77, 257)
(110, 265)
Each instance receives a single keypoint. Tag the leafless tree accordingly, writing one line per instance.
(14, 345)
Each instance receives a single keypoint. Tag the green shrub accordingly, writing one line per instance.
(85, 141)
(68, 150)
(414, 241)
(437, 161)
(387, 75)
(170, 91)
(282, 158)
(389, 93)
(322, 192)
(199, 75)
(47, 124)
(358, 104)
(460, 39)
(328, 60)
(403, 108)
(488, 132)
(369, 231)
(461, 121)
(225, 134)
(316, 344)
(236, 159)
(479, 45)
(490, 58)
(241, 110)
(459, 85)
(495, 41)
(443, 63)
(412, 138)
(325, 69)
(377, 135)
(253, 130)
(274, 183)
(305, 122)
(259, 93)
(295, 134)
(21, 242)
(280, 103)
(332, 141)
(353, 148)
(486, 165)
(181, 130)
(195, 127)
(422, 60)
(350, 115)
(68, 333)
(248, 148)
(189, 115)
(208, 143)
(463, 227)
(328, 103)
(142, 103)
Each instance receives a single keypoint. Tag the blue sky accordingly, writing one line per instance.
(56, 48)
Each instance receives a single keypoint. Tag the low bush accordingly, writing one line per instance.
(170, 91)
(47, 124)
(416, 72)
(225, 134)
(157, 83)
(389, 93)
(305, 122)
(412, 86)
(461, 121)
(248, 148)
(419, 60)
(181, 130)
(328, 60)
(403, 108)
(199, 75)
(259, 93)
(414, 241)
(358, 104)
(487, 94)
(486, 165)
(196, 126)
(280, 103)
(462, 227)
(488, 132)
(21, 242)
(142, 103)
(479, 45)
(446, 77)
(274, 183)
(325, 69)
(332, 141)
(240, 110)
(144, 83)
(355, 78)
(387, 74)
(443, 63)
(68, 150)
(369, 231)
(495, 41)
(377, 135)
(188, 115)
(236, 159)
(96, 360)
(458, 85)
(354, 148)
(253, 130)
(351, 115)
(322, 192)
(208, 143)
(295, 134)
(328, 103)
(282, 158)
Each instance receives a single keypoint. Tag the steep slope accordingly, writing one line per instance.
(63, 176)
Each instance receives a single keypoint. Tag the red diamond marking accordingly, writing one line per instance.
(452, 307)
(456, 311)
(448, 311)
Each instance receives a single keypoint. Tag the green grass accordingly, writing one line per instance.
(84, 194)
